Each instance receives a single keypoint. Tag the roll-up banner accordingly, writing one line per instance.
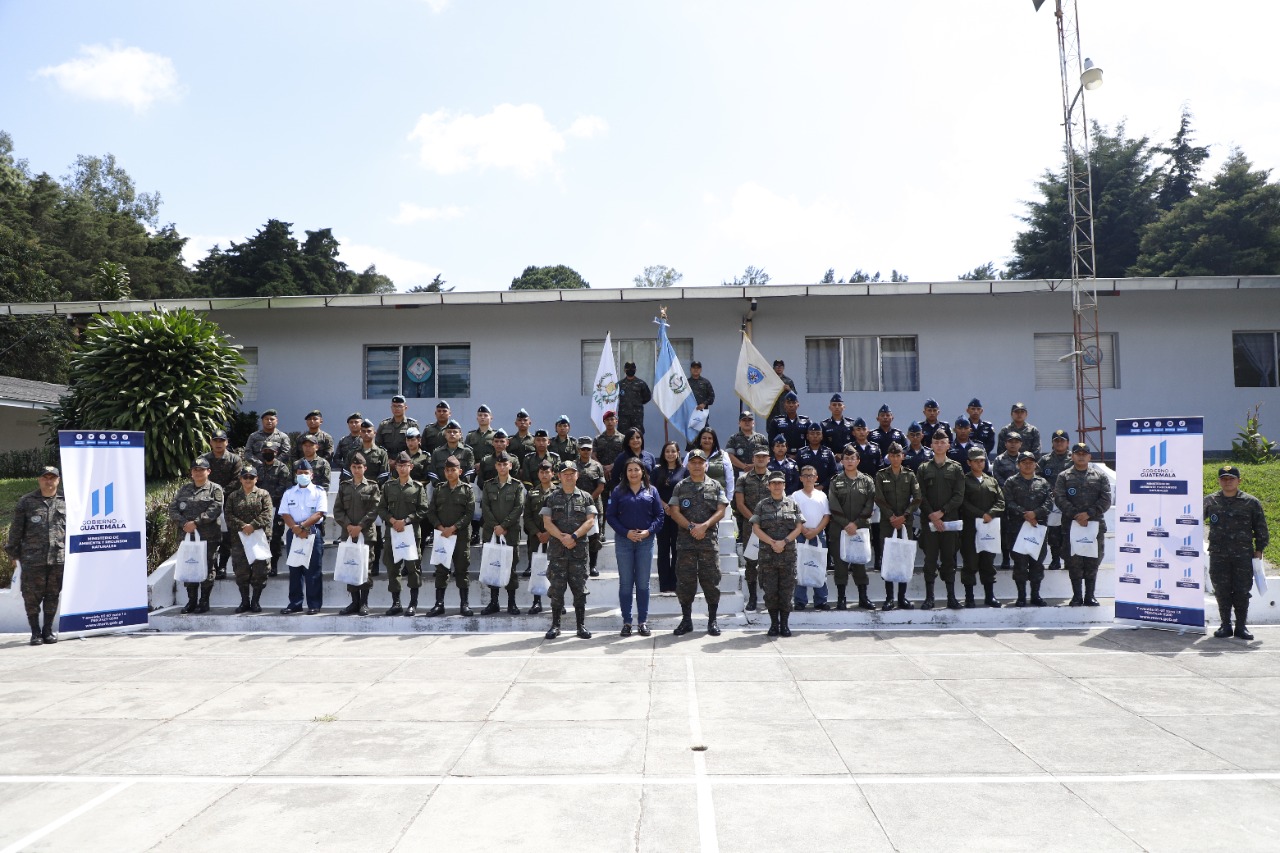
(104, 583)
(1159, 530)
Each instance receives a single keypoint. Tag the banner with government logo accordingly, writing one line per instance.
(105, 578)
(1159, 532)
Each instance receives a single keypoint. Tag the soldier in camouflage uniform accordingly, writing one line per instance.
(275, 477)
(633, 393)
(567, 515)
(742, 446)
(521, 444)
(433, 433)
(564, 445)
(355, 509)
(224, 469)
(403, 502)
(196, 508)
(268, 436)
(606, 449)
(1003, 467)
(449, 514)
(704, 393)
(697, 505)
(480, 439)
(852, 497)
(1237, 536)
(348, 445)
(321, 472)
(751, 488)
(1051, 465)
(37, 540)
(1018, 423)
(536, 535)
(501, 512)
(324, 441)
(898, 496)
(983, 498)
(248, 509)
(377, 470)
(1028, 499)
(777, 523)
(390, 433)
(529, 465)
(941, 494)
(591, 480)
(1083, 495)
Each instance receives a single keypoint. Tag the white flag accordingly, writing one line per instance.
(604, 394)
(755, 382)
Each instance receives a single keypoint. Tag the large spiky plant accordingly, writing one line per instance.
(171, 374)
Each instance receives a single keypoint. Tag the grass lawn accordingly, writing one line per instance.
(1263, 482)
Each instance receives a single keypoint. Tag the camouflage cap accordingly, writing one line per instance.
(1013, 435)
(1026, 456)
(1080, 447)
(219, 435)
(777, 477)
(1018, 407)
(201, 463)
(1228, 471)
(248, 472)
(696, 454)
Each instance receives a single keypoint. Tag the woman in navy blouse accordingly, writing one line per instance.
(636, 515)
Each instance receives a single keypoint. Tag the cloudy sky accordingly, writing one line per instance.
(473, 138)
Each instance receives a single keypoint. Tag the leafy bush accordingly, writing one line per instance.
(1252, 446)
(240, 427)
(26, 463)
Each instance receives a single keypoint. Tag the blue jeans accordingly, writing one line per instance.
(802, 592)
(311, 574)
(635, 561)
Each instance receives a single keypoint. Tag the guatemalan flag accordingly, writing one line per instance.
(671, 392)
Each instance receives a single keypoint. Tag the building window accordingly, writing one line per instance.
(417, 370)
(643, 351)
(249, 370)
(1052, 373)
(888, 363)
(1255, 355)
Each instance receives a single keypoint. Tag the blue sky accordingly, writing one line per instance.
(475, 138)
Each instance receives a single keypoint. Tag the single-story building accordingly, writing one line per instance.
(1199, 346)
(22, 403)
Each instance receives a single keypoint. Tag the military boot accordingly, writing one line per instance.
(244, 598)
(193, 597)
(953, 603)
(784, 629)
(1089, 600)
(536, 607)
(255, 601)
(437, 609)
(412, 609)
(991, 600)
(203, 606)
(492, 607)
(712, 628)
(592, 571)
(354, 607)
(864, 601)
(752, 605)
(512, 610)
(395, 609)
(841, 603)
(1036, 600)
(463, 609)
(554, 630)
(773, 623)
(903, 604)
(927, 604)
(1076, 599)
(1022, 594)
(34, 622)
(889, 603)
(49, 635)
(686, 623)
(968, 595)
(580, 615)
(364, 601)
(1241, 632)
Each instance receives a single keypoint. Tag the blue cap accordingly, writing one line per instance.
(779, 439)
(859, 422)
(453, 425)
(302, 465)
(915, 427)
(884, 410)
(563, 419)
(790, 395)
(963, 422)
(814, 426)
(976, 403)
(836, 398)
(931, 403)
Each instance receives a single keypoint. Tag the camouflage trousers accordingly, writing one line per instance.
(567, 568)
(1086, 568)
(778, 578)
(246, 573)
(698, 567)
(43, 585)
(753, 566)
(1232, 579)
(1025, 568)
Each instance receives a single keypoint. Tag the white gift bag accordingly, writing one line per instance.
(222, 522)
(404, 545)
(300, 551)
(986, 536)
(15, 583)
(192, 560)
(477, 513)
(811, 566)
(1084, 540)
(856, 549)
(538, 582)
(899, 560)
(256, 546)
(1259, 577)
(1030, 540)
(1055, 517)
(442, 550)
(352, 566)
(752, 549)
(495, 562)
(956, 526)
(875, 516)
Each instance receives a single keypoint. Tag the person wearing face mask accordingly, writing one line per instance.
(196, 508)
(302, 509)
(633, 393)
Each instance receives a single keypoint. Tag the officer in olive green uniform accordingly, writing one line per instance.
(608, 445)
(1083, 495)
(1051, 465)
(567, 515)
(898, 496)
(751, 488)
(535, 531)
(1237, 536)
(420, 458)
(1028, 499)
(501, 513)
(37, 540)
(941, 494)
(390, 433)
(324, 441)
(276, 478)
(697, 505)
(321, 472)
(778, 520)
(487, 468)
(983, 499)
(433, 433)
(355, 509)
(480, 439)
(521, 444)
(196, 508)
(248, 509)
(852, 498)
(348, 445)
(378, 470)
(453, 447)
(529, 464)
(403, 502)
(224, 469)
(563, 444)
(592, 481)
(449, 513)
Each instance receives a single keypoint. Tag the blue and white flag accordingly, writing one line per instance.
(671, 392)
(755, 383)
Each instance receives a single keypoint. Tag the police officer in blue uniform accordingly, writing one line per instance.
(915, 453)
(784, 463)
(983, 432)
(837, 430)
(931, 424)
(885, 434)
(818, 455)
(791, 424)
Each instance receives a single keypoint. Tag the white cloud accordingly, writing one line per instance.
(411, 213)
(512, 137)
(437, 6)
(122, 75)
(198, 245)
(403, 271)
(762, 219)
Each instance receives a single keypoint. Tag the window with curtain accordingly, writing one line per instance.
(643, 351)
(1255, 355)
(417, 370)
(864, 363)
(1053, 374)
